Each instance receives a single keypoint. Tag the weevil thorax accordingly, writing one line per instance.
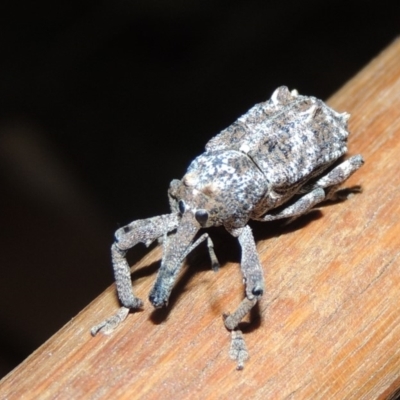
(219, 188)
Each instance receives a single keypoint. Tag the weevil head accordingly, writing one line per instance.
(187, 200)
(194, 208)
(219, 188)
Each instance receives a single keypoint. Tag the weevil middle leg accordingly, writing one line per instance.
(323, 189)
(253, 278)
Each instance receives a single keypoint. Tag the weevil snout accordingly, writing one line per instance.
(176, 249)
(157, 301)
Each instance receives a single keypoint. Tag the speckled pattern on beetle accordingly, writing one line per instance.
(276, 161)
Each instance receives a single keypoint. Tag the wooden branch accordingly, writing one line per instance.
(328, 326)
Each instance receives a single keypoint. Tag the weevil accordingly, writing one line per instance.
(277, 161)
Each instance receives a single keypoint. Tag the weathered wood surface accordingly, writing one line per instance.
(328, 326)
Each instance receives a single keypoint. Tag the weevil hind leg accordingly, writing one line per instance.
(340, 194)
(323, 189)
(254, 281)
(332, 180)
(142, 231)
(300, 207)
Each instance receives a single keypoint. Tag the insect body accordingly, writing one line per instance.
(274, 162)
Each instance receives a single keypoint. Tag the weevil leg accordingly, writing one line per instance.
(214, 260)
(142, 231)
(253, 278)
(210, 246)
(211, 252)
(238, 351)
(324, 188)
(338, 175)
(300, 207)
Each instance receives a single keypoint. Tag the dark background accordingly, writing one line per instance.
(102, 103)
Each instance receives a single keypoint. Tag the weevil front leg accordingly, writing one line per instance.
(254, 281)
(142, 231)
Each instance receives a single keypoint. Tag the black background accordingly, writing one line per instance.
(102, 103)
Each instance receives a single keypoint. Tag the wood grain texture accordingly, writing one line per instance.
(327, 327)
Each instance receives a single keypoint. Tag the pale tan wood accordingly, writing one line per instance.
(330, 321)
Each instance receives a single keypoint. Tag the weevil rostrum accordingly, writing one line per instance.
(277, 161)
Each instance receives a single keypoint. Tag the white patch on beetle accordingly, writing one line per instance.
(190, 180)
(244, 148)
(294, 93)
(282, 153)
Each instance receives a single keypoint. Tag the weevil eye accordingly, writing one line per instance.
(182, 206)
(257, 291)
(201, 216)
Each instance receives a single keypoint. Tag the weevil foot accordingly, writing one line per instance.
(238, 350)
(110, 324)
(215, 266)
(231, 321)
(214, 260)
(345, 193)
